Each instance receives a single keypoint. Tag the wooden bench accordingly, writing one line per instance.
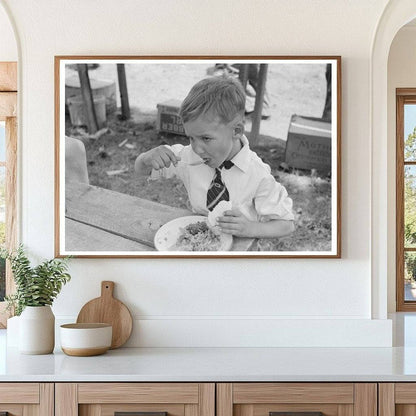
(97, 219)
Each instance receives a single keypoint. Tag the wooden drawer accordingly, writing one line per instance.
(331, 399)
(105, 399)
(27, 399)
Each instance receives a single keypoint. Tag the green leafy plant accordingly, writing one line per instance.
(35, 286)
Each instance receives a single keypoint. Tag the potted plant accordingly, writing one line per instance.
(36, 289)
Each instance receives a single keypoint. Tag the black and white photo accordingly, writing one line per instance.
(198, 157)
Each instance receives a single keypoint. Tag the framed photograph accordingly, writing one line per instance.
(236, 156)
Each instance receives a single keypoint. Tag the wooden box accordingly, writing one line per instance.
(168, 120)
(308, 144)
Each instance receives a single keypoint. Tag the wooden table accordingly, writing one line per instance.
(97, 219)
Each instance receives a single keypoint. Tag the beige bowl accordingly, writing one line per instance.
(83, 340)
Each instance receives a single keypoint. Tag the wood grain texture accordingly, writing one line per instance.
(247, 410)
(293, 393)
(400, 304)
(406, 92)
(405, 410)
(130, 217)
(365, 399)
(8, 76)
(66, 399)
(31, 410)
(109, 310)
(191, 410)
(8, 105)
(405, 393)
(207, 399)
(11, 195)
(224, 399)
(345, 410)
(27, 393)
(386, 399)
(47, 399)
(90, 410)
(138, 393)
(81, 237)
(57, 245)
(11, 204)
(339, 159)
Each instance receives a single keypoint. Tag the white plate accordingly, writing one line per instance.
(167, 235)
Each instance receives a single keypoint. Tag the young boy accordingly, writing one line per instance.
(219, 165)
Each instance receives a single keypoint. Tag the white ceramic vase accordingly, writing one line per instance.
(37, 330)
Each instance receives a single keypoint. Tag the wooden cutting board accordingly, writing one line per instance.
(107, 309)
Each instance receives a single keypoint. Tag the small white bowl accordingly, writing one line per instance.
(83, 340)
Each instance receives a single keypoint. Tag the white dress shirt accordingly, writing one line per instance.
(252, 188)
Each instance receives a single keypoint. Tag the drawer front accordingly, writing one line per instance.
(144, 399)
(23, 399)
(19, 393)
(292, 393)
(296, 399)
(138, 393)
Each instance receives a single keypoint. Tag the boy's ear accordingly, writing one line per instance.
(238, 129)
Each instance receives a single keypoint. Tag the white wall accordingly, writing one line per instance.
(401, 74)
(8, 46)
(179, 302)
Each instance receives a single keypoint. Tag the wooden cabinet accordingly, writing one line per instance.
(106, 399)
(397, 399)
(297, 399)
(27, 399)
(207, 399)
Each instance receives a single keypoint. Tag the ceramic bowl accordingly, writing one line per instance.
(83, 340)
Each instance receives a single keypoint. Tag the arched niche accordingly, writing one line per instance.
(396, 14)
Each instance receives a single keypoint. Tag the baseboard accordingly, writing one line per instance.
(248, 332)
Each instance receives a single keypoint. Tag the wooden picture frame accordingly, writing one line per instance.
(110, 109)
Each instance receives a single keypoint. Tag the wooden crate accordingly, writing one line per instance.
(308, 144)
(168, 120)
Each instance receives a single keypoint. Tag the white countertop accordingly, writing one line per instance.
(222, 364)
(213, 364)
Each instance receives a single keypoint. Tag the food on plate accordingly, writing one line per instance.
(198, 237)
(218, 211)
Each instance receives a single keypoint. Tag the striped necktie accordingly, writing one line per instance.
(217, 190)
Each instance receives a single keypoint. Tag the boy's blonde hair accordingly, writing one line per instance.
(220, 96)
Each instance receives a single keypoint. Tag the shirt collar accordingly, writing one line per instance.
(242, 158)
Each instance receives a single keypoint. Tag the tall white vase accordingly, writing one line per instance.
(37, 330)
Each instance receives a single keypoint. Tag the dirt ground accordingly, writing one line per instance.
(294, 90)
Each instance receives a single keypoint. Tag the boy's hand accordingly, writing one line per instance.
(235, 223)
(160, 157)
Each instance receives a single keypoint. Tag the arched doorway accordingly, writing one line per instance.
(396, 14)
